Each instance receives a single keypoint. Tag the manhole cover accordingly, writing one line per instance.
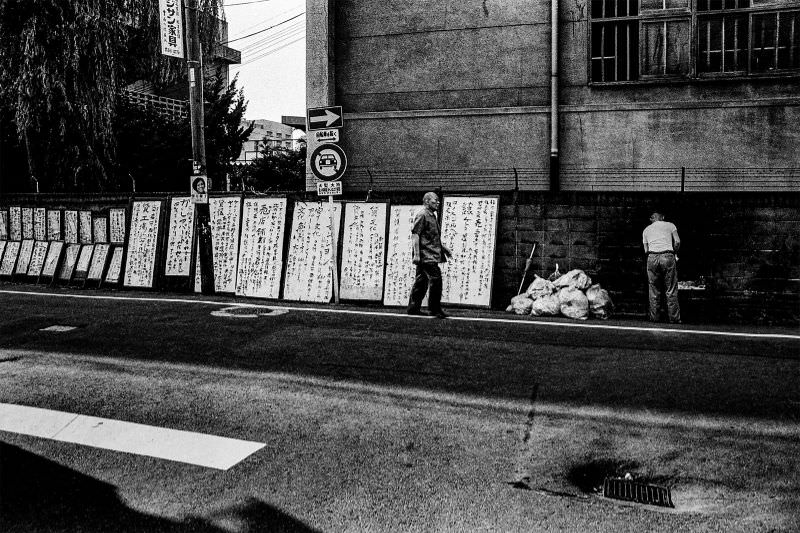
(59, 329)
(239, 311)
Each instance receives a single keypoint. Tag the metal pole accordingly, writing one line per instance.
(554, 170)
(194, 63)
(334, 245)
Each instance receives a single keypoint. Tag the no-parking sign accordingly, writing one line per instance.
(328, 162)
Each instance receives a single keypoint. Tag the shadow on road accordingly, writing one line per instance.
(39, 495)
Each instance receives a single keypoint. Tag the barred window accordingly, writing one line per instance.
(649, 39)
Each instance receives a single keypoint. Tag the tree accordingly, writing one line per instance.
(224, 133)
(62, 65)
(277, 169)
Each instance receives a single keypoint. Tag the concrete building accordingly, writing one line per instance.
(583, 127)
(266, 133)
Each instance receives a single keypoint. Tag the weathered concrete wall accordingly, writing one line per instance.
(464, 84)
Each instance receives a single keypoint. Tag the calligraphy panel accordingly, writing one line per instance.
(400, 271)
(261, 247)
(27, 223)
(37, 259)
(24, 259)
(15, 223)
(10, 258)
(98, 264)
(40, 224)
(53, 225)
(469, 229)
(3, 225)
(143, 244)
(100, 225)
(84, 262)
(51, 261)
(70, 259)
(71, 227)
(179, 237)
(116, 223)
(85, 227)
(115, 266)
(363, 251)
(308, 263)
(225, 225)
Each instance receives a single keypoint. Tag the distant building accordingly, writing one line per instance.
(265, 133)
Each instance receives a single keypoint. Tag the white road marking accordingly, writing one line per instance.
(519, 322)
(163, 443)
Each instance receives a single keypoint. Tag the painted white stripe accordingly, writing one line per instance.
(520, 322)
(162, 443)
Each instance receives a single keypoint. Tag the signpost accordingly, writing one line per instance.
(323, 118)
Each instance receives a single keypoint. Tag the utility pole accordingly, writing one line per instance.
(194, 62)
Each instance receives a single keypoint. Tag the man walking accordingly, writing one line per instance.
(661, 242)
(427, 254)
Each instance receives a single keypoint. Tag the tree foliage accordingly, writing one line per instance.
(62, 65)
(277, 169)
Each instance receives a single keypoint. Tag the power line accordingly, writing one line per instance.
(246, 3)
(266, 29)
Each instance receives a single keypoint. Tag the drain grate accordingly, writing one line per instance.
(634, 491)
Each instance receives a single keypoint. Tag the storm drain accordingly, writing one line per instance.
(634, 491)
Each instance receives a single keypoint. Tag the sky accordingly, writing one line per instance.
(273, 71)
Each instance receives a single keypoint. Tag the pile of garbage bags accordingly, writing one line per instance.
(571, 295)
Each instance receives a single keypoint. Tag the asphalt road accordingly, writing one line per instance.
(374, 421)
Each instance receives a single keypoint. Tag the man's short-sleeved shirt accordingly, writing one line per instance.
(427, 228)
(658, 236)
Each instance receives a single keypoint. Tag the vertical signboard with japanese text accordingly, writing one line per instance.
(171, 27)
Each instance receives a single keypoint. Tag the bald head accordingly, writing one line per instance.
(656, 216)
(431, 201)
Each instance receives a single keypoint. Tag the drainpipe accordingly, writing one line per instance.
(554, 174)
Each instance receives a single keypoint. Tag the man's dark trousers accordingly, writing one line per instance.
(428, 275)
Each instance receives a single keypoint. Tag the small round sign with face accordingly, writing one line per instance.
(328, 162)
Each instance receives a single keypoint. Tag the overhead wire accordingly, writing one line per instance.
(265, 29)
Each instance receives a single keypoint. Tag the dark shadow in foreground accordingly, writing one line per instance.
(39, 495)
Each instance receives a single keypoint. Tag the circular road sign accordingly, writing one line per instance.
(328, 162)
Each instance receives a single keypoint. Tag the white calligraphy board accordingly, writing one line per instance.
(363, 251)
(53, 225)
(27, 223)
(225, 224)
(37, 259)
(3, 225)
(100, 225)
(40, 224)
(24, 259)
(84, 262)
(115, 266)
(10, 258)
(179, 237)
(85, 227)
(2, 249)
(71, 227)
(261, 247)
(116, 225)
(15, 223)
(308, 263)
(51, 261)
(70, 259)
(140, 265)
(469, 229)
(400, 271)
(98, 264)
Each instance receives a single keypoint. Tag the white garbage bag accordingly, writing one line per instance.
(540, 287)
(600, 304)
(546, 306)
(576, 279)
(574, 303)
(521, 304)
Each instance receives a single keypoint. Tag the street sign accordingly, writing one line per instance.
(329, 188)
(328, 162)
(323, 118)
(171, 27)
(326, 136)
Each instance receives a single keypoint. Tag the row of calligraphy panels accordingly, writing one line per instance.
(72, 226)
(59, 261)
(248, 246)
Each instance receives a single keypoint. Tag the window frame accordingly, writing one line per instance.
(693, 16)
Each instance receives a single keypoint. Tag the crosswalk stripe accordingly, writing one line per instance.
(189, 447)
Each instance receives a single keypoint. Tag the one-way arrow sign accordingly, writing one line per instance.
(323, 118)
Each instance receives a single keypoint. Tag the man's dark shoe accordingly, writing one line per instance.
(413, 312)
(440, 314)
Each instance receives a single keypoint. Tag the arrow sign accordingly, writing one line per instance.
(321, 118)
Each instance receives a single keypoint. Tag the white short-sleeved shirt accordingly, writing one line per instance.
(658, 236)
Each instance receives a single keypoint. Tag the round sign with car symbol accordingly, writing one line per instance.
(328, 162)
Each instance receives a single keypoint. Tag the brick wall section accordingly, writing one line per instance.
(746, 245)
